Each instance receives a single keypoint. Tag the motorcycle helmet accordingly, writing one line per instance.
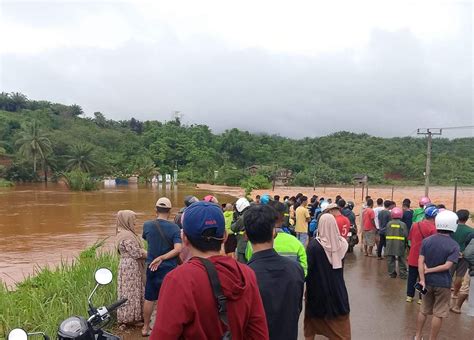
(323, 205)
(241, 204)
(424, 201)
(265, 199)
(446, 220)
(350, 205)
(188, 200)
(397, 213)
(431, 211)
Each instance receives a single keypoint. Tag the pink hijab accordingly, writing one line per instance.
(331, 240)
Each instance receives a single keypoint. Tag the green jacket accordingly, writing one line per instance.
(228, 217)
(286, 245)
(461, 234)
(418, 215)
(396, 235)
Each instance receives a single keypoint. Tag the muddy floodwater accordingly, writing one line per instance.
(45, 224)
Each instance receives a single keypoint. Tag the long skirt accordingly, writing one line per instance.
(130, 286)
(337, 328)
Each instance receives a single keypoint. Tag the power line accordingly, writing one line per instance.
(454, 127)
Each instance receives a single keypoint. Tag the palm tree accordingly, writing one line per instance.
(81, 157)
(146, 168)
(33, 143)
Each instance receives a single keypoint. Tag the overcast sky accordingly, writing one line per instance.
(294, 68)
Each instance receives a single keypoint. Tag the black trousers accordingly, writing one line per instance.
(382, 244)
(412, 279)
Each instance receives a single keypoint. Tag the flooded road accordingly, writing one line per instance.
(42, 225)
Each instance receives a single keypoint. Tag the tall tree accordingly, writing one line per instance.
(33, 143)
(75, 110)
(81, 157)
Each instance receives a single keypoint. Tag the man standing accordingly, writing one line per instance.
(238, 228)
(384, 217)
(188, 308)
(343, 223)
(302, 219)
(438, 254)
(164, 246)
(419, 213)
(280, 280)
(460, 236)
(396, 237)
(368, 224)
(407, 213)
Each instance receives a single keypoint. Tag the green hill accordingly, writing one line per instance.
(106, 147)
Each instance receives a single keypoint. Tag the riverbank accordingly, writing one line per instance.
(50, 295)
(444, 195)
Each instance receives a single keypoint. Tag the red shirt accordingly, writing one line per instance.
(343, 224)
(187, 308)
(418, 232)
(368, 219)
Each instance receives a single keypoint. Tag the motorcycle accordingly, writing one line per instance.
(79, 328)
(352, 238)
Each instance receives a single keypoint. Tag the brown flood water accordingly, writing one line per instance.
(45, 224)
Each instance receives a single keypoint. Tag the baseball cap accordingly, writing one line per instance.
(331, 206)
(201, 216)
(163, 202)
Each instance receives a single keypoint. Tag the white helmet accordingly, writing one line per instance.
(323, 205)
(446, 220)
(241, 204)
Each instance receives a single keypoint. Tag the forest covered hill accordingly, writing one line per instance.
(102, 147)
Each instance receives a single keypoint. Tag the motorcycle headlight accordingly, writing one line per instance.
(73, 328)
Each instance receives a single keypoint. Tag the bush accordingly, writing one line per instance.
(77, 180)
(255, 182)
(5, 183)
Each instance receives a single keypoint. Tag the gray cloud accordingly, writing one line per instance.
(396, 84)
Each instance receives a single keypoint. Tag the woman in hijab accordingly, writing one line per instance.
(131, 269)
(327, 302)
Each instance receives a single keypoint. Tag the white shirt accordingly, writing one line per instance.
(376, 219)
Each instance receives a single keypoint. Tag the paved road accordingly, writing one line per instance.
(379, 310)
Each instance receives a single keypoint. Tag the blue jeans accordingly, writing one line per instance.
(302, 237)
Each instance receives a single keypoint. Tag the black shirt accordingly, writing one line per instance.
(326, 293)
(281, 283)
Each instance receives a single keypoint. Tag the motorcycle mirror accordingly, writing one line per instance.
(103, 276)
(17, 334)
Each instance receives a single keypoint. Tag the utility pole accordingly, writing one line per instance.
(429, 133)
(455, 194)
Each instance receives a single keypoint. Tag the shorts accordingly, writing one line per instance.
(230, 244)
(369, 238)
(436, 302)
(153, 283)
(460, 268)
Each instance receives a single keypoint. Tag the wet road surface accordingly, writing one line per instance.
(378, 307)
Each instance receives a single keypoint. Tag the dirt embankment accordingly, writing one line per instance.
(439, 195)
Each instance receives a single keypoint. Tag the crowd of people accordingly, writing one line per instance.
(240, 270)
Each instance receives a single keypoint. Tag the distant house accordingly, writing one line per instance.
(283, 177)
(360, 178)
(254, 169)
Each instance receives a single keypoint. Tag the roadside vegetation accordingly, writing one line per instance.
(40, 139)
(49, 296)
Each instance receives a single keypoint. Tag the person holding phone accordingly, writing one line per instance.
(437, 255)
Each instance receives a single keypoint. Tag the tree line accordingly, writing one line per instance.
(44, 138)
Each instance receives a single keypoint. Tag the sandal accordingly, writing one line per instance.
(145, 333)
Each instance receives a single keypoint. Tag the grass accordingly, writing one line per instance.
(5, 183)
(43, 300)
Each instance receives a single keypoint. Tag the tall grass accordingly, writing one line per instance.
(48, 297)
(80, 181)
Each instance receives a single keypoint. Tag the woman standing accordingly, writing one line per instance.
(131, 269)
(327, 303)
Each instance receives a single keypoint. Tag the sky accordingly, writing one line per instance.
(293, 68)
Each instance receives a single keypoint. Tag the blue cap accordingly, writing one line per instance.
(201, 216)
(265, 199)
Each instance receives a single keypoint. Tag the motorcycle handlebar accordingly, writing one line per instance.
(116, 305)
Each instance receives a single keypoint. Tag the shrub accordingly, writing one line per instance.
(77, 180)
(255, 182)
